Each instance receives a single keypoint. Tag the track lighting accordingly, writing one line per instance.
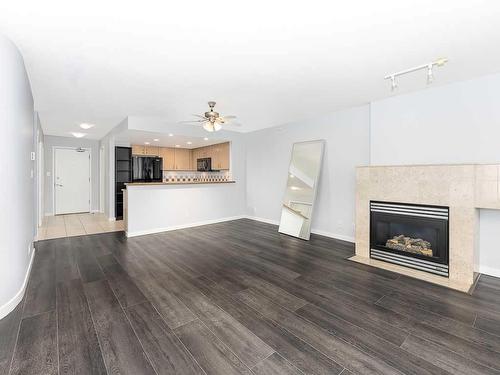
(430, 72)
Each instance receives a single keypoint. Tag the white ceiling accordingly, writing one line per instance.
(139, 137)
(268, 62)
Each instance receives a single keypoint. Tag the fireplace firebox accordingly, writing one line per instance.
(410, 235)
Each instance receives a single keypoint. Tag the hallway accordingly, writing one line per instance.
(76, 225)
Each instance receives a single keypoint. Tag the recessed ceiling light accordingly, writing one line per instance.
(170, 135)
(292, 176)
(86, 126)
(189, 142)
(78, 135)
(294, 188)
(205, 139)
(177, 145)
(156, 140)
(146, 143)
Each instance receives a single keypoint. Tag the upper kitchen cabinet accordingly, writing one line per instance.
(168, 156)
(220, 156)
(182, 159)
(151, 150)
(138, 150)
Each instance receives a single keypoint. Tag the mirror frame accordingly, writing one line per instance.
(321, 142)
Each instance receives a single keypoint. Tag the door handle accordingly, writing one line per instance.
(58, 185)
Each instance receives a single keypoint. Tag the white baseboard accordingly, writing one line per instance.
(490, 271)
(182, 226)
(315, 231)
(206, 222)
(267, 221)
(14, 301)
(342, 237)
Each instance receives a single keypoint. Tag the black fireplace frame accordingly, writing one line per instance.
(423, 262)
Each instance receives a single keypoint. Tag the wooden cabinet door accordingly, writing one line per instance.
(203, 152)
(182, 159)
(151, 150)
(214, 154)
(223, 155)
(195, 155)
(168, 156)
(137, 150)
(220, 156)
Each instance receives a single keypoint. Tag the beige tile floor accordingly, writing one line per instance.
(76, 225)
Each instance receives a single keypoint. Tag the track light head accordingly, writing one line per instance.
(430, 74)
(394, 84)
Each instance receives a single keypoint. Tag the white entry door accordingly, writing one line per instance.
(71, 181)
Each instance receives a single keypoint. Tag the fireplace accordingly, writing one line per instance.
(410, 235)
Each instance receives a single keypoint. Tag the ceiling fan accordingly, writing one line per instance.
(212, 121)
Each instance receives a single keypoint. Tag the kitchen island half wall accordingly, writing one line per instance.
(159, 207)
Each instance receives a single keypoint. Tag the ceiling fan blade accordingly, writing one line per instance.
(191, 122)
(229, 117)
(233, 123)
(200, 116)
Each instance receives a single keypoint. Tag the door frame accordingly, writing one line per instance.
(102, 186)
(54, 148)
(40, 188)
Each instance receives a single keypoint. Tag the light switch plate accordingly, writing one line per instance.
(33, 156)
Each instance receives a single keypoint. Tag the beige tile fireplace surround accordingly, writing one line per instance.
(463, 188)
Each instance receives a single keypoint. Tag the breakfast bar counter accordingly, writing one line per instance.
(162, 206)
(178, 183)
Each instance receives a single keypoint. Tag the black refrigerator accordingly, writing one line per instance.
(147, 169)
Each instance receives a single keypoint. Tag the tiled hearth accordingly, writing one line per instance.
(462, 188)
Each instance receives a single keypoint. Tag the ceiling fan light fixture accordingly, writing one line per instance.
(212, 121)
(208, 127)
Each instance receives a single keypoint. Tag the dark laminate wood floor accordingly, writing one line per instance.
(234, 298)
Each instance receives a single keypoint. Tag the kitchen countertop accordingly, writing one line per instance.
(178, 183)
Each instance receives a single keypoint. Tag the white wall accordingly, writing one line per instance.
(17, 198)
(52, 141)
(456, 123)
(38, 140)
(347, 146)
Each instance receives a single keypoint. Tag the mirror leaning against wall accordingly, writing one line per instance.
(301, 187)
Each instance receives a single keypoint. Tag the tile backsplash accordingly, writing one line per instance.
(195, 176)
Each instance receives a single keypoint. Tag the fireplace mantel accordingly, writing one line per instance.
(463, 188)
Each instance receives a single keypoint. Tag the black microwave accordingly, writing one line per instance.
(204, 164)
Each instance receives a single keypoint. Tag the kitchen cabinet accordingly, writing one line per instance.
(225, 155)
(182, 157)
(195, 155)
(151, 150)
(220, 156)
(138, 150)
(168, 156)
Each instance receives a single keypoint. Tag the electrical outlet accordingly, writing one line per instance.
(33, 156)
